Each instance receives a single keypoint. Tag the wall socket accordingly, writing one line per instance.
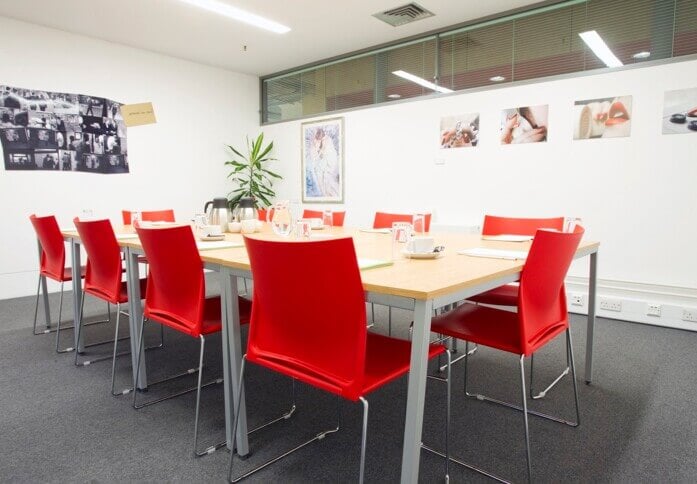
(653, 310)
(576, 299)
(689, 315)
(610, 304)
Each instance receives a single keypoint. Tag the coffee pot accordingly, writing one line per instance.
(219, 213)
(245, 210)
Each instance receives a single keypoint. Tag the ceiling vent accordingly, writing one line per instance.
(405, 14)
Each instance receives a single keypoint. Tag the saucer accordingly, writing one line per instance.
(421, 255)
(318, 227)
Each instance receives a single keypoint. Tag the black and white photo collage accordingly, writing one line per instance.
(42, 130)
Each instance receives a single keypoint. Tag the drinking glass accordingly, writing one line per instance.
(281, 220)
(401, 234)
(570, 223)
(87, 214)
(418, 220)
(303, 229)
(327, 218)
(135, 218)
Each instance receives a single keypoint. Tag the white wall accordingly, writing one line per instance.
(637, 195)
(176, 163)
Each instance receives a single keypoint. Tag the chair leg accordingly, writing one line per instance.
(318, 436)
(525, 415)
(364, 436)
(198, 404)
(543, 393)
(116, 344)
(570, 349)
(36, 309)
(139, 344)
(78, 323)
(58, 325)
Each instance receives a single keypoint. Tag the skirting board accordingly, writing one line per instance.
(634, 301)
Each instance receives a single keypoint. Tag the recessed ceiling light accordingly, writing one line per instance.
(421, 82)
(600, 48)
(497, 79)
(394, 96)
(642, 55)
(238, 14)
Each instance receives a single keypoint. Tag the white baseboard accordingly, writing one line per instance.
(635, 299)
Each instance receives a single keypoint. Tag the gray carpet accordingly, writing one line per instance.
(59, 423)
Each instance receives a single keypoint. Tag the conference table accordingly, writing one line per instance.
(415, 285)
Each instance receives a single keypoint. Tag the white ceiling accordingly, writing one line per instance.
(320, 28)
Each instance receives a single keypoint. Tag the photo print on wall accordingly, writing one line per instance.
(459, 131)
(609, 117)
(323, 161)
(42, 130)
(680, 111)
(526, 124)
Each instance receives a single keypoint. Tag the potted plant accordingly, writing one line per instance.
(250, 174)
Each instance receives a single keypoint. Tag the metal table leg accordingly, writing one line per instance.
(77, 292)
(44, 288)
(411, 453)
(232, 360)
(135, 312)
(592, 287)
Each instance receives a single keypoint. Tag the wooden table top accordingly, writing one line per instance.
(412, 278)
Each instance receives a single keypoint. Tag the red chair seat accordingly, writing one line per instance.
(66, 276)
(121, 297)
(506, 295)
(211, 322)
(388, 358)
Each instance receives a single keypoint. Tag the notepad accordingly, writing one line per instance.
(364, 263)
(126, 236)
(494, 253)
(508, 238)
(223, 244)
(376, 231)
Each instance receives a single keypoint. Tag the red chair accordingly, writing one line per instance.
(52, 265)
(149, 216)
(385, 220)
(541, 316)
(176, 298)
(103, 280)
(337, 217)
(324, 344)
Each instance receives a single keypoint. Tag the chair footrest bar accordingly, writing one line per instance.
(177, 394)
(464, 464)
(543, 393)
(211, 449)
(63, 328)
(484, 398)
(188, 372)
(285, 416)
(319, 436)
(101, 358)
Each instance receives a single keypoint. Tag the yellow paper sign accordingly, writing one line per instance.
(138, 114)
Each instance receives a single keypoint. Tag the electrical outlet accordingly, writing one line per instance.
(689, 314)
(653, 310)
(576, 299)
(610, 304)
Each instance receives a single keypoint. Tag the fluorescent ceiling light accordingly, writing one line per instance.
(238, 14)
(600, 48)
(497, 79)
(421, 82)
(642, 55)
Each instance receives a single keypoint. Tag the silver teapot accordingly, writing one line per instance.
(219, 213)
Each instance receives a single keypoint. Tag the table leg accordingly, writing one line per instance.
(44, 288)
(592, 287)
(135, 312)
(77, 292)
(416, 392)
(232, 360)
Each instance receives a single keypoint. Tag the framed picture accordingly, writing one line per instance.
(323, 161)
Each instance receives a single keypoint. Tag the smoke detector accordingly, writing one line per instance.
(404, 14)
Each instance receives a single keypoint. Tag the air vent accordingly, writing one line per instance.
(405, 14)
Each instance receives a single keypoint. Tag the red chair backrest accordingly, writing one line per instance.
(104, 269)
(150, 216)
(176, 287)
(494, 225)
(308, 312)
(52, 246)
(542, 296)
(337, 217)
(385, 220)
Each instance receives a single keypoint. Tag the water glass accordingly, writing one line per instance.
(303, 229)
(401, 234)
(570, 223)
(135, 218)
(87, 214)
(327, 218)
(418, 220)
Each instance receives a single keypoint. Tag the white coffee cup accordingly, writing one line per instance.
(315, 222)
(420, 245)
(234, 227)
(249, 226)
(213, 230)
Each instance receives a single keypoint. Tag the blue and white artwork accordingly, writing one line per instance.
(323, 161)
